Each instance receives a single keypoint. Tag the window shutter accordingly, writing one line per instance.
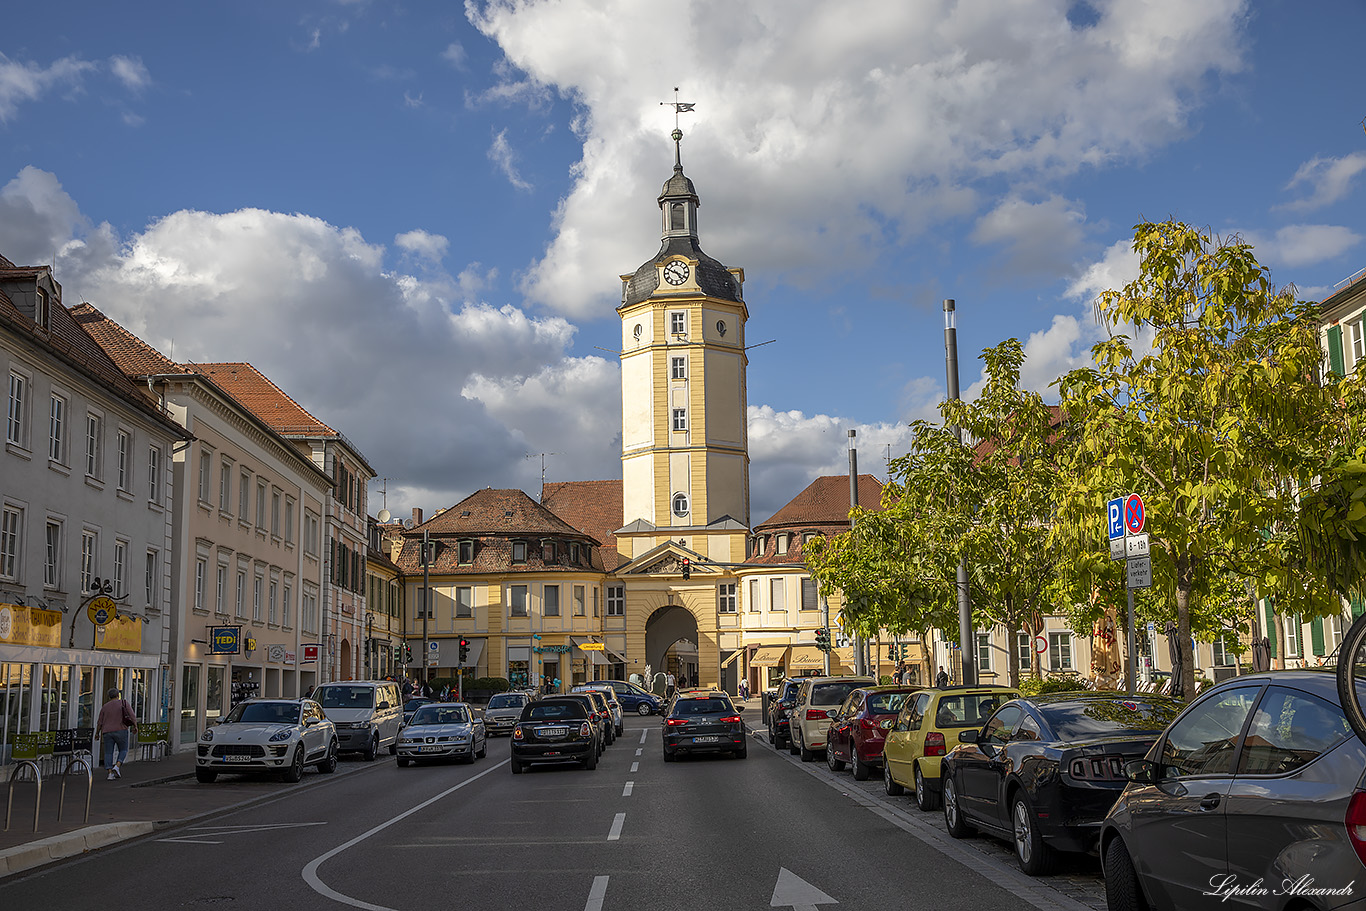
(1335, 362)
(1270, 626)
(1316, 635)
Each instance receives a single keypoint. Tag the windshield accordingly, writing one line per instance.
(554, 711)
(834, 693)
(341, 696)
(441, 714)
(412, 704)
(264, 713)
(507, 701)
(886, 703)
(1099, 717)
(702, 707)
(968, 710)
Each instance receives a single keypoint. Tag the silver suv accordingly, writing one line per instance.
(817, 699)
(503, 711)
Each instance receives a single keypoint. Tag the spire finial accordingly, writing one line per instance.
(680, 107)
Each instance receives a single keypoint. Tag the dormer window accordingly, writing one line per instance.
(573, 553)
(518, 551)
(548, 551)
(466, 552)
(782, 544)
(759, 546)
(40, 308)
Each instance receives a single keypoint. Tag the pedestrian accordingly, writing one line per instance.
(427, 691)
(669, 682)
(941, 679)
(309, 694)
(744, 689)
(115, 721)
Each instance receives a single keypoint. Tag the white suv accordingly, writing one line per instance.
(817, 699)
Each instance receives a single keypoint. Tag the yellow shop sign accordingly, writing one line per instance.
(21, 625)
(122, 634)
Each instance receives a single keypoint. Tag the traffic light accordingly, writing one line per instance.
(823, 639)
(407, 653)
(398, 654)
(464, 650)
(687, 568)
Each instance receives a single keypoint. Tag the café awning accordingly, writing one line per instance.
(806, 658)
(769, 656)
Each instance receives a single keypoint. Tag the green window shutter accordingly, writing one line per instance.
(1270, 626)
(1358, 607)
(1316, 635)
(1335, 361)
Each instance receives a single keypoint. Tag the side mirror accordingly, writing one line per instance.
(968, 736)
(1142, 771)
(382, 706)
(739, 709)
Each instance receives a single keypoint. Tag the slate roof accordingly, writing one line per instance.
(593, 507)
(822, 507)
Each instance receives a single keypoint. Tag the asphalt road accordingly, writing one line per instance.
(636, 833)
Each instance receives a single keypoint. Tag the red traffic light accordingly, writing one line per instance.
(464, 643)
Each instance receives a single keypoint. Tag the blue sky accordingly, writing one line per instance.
(413, 216)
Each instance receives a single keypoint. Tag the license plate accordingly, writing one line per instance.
(554, 732)
(711, 738)
(551, 753)
(236, 758)
(432, 748)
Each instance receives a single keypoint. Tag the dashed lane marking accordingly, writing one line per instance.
(617, 822)
(596, 894)
(626, 791)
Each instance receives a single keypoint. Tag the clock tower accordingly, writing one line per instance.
(685, 441)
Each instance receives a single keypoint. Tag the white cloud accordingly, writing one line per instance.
(502, 155)
(1328, 180)
(1039, 238)
(1117, 268)
(25, 82)
(428, 246)
(412, 101)
(474, 279)
(131, 72)
(1303, 245)
(455, 55)
(947, 101)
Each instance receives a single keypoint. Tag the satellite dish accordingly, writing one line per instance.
(384, 516)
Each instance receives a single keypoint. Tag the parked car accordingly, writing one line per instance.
(859, 727)
(809, 718)
(503, 711)
(634, 698)
(1257, 780)
(412, 705)
(557, 729)
(442, 730)
(779, 705)
(604, 711)
(707, 722)
(609, 695)
(268, 735)
(367, 713)
(921, 735)
(1043, 772)
(597, 715)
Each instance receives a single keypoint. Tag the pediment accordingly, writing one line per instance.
(666, 560)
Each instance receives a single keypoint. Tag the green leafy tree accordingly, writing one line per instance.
(1218, 426)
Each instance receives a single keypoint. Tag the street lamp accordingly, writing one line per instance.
(965, 637)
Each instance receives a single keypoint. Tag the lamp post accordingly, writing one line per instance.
(426, 600)
(860, 666)
(965, 638)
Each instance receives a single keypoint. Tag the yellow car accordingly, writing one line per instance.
(927, 728)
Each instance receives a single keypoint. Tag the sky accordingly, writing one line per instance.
(413, 216)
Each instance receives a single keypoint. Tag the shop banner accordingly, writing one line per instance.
(20, 625)
(310, 654)
(225, 640)
(122, 634)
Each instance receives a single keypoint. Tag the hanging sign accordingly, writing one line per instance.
(21, 625)
(311, 654)
(225, 640)
(102, 610)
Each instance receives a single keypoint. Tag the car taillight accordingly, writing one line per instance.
(675, 722)
(867, 724)
(1356, 824)
(934, 744)
(733, 719)
(815, 714)
(517, 732)
(585, 730)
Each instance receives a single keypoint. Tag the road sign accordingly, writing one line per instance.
(1040, 644)
(1133, 514)
(1152, 627)
(1117, 548)
(1136, 545)
(1140, 572)
(1115, 512)
(593, 646)
(433, 651)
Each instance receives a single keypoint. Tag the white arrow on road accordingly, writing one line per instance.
(793, 891)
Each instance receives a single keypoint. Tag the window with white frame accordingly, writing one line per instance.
(580, 601)
(1293, 645)
(273, 604)
(286, 602)
(124, 445)
(517, 600)
(89, 554)
(56, 433)
(258, 584)
(753, 595)
(680, 505)
(225, 487)
(149, 577)
(983, 652)
(201, 571)
(309, 610)
(1024, 651)
(311, 533)
(120, 569)
(52, 559)
(551, 601)
(678, 368)
(260, 505)
(777, 593)
(616, 600)
(275, 513)
(1332, 628)
(678, 323)
(726, 598)
(289, 520)
(1060, 651)
(782, 544)
(240, 608)
(811, 594)
(1222, 651)
(220, 590)
(205, 477)
(244, 497)
(680, 420)
(94, 435)
(1356, 327)
(11, 523)
(154, 474)
(18, 402)
(464, 602)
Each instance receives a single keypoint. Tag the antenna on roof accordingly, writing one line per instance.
(532, 455)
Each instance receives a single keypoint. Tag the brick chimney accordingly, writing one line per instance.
(417, 515)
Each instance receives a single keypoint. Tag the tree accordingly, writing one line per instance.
(1219, 427)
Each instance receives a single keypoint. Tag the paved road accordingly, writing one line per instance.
(636, 833)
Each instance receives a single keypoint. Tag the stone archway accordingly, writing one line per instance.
(666, 626)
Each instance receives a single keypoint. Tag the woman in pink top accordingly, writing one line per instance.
(115, 721)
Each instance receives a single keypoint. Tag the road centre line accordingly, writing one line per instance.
(635, 767)
(643, 733)
(597, 894)
(638, 752)
(626, 791)
(617, 822)
(310, 872)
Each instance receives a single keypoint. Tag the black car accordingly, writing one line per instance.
(604, 711)
(1043, 772)
(779, 729)
(705, 723)
(555, 730)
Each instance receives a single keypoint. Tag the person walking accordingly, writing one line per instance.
(669, 682)
(115, 721)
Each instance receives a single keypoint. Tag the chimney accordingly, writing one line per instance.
(417, 515)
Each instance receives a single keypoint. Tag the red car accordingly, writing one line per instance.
(858, 728)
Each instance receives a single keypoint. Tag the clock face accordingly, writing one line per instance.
(676, 273)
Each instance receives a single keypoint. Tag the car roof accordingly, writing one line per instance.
(852, 678)
(1048, 699)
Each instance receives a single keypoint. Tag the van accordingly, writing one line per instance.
(366, 713)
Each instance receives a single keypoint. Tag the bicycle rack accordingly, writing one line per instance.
(154, 751)
(83, 760)
(19, 767)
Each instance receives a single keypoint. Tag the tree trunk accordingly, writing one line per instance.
(1185, 583)
(1013, 661)
(1278, 633)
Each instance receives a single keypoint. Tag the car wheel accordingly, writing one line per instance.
(372, 751)
(296, 767)
(621, 729)
(792, 747)
(205, 776)
(402, 762)
(669, 755)
(643, 709)
(591, 761)
(742, 752)
(925, 799)
(1035, 857)
(861, 769)
(516, 766)
(328, 765)
(835, 764)
(393, 747)
(483, 749)
(891, 787)
(953, 817)
(1122, 891)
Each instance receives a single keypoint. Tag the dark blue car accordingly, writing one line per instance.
(635, 699)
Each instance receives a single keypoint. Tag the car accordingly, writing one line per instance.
(597, 714)
(604, 712)
(557, 729)
(268, 735)
(779, 705)
(859, 727)
(609, 694)
(704, 723)
(367, 713)
(927, 726)
(1043, 771)
(442, 730)
(1257, 781)
(809, 717)
(412, 706)
(503, 710)
(635, 699)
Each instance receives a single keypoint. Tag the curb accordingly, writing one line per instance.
(58, 847)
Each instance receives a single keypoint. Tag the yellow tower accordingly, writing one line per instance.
(685, 445)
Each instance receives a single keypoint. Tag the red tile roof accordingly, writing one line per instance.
(263, 398)
(823, 508)
(593, 507)
(133, 356)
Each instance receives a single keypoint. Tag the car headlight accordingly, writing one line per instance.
(208, 735)
(281, 736)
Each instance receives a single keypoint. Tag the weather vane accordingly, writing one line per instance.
(680, 107)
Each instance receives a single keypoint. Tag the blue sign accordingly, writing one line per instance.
(225, 640)
(1115, 509)
(1134, 515)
